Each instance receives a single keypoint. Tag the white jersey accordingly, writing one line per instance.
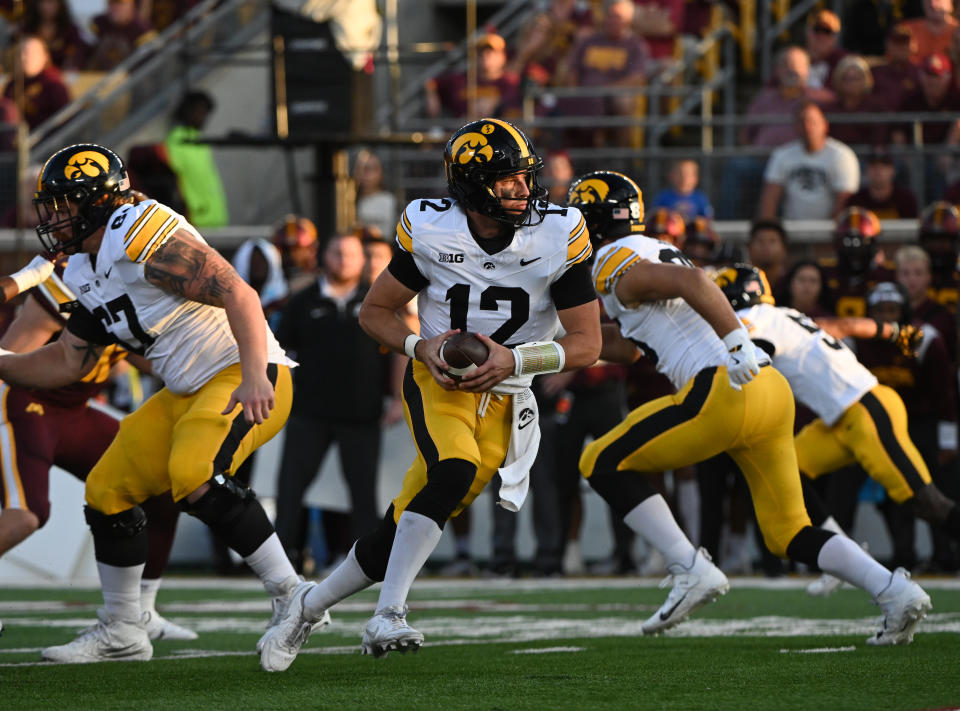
(677, 339)
(506, 295)
(185, 341)
(823, 373)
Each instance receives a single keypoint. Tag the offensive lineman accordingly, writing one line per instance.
(498, 260)
(728, 400)
(145, 278)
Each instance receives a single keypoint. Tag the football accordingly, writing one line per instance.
(463, 352)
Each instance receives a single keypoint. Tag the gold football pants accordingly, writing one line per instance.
(446, 425)
(177, 442)
(754, 425)
(872, 433)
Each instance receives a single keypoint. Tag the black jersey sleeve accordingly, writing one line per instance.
(573, 288)
(406, 271)
(85, 325)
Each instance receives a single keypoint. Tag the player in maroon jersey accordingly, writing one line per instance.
(856, 267)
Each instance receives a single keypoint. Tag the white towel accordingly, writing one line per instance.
(524, 442)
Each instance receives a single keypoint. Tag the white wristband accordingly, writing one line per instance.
(947, 434)
(36, 272)
(410, 345)
(538, 357)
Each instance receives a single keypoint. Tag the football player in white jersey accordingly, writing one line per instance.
(494, 259)
(144, 278)
(728, 400)
(859, 420)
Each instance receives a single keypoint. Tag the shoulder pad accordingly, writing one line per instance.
(143, 228)
(612, 262)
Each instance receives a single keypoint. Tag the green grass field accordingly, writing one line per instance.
(554, 644)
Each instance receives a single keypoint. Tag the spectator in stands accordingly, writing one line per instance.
(548, 38)
(867, 24)
(377, 252)
(556, 176)
(898, 75)
(853, 83)
(914, 273)
(44, 92)
(683, 196)
(613, 56)
(767, 250)
(193, 162)
(160, 14)
(743, 174)
(119, 32)
(935, 94)
(51, 21)
(339, 395)
(498, 89)
(812, 177)
(296, 238)
(880, 193)
(375, 204)
(934, 31)
(805, 290)
(660, 22)
(823, 46)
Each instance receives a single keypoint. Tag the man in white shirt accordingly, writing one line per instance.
(812, 177)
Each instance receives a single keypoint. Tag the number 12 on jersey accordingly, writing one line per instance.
(459, 297)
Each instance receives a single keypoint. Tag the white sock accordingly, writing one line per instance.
(830, 524)
(462, 544)
(121, 590)
(148, 594)
(270, 562)
(688, 501)
(844, 559)
(416, 538)
(346, 579)
(653, 520)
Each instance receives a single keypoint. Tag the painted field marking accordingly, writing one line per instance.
(819, 650)
(548, 650)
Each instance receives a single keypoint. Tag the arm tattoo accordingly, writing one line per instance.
(190, 269)
(91, 352)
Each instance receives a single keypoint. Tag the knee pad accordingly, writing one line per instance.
(125, 524)
(805, 546)
(622, 490)
(373, 550)
(231, 510)
(118, 539)
(448, 481)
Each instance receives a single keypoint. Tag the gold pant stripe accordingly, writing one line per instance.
(13, 494)
(754, 425)
(445, 425)
(872, 433)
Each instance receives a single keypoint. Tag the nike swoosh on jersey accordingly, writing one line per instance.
(523, 263)
(666, 615)
(106, 274)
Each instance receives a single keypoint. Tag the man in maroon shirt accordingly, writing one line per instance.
(881, 195)
(935, 94)
(898, 75)
(119, 32)
(823, 46)
(498, 90)
(44, 92)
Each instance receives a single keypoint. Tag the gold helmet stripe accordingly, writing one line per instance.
(521, 144)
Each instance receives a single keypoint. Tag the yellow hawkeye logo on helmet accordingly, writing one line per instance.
(473, 146)
(592, 190)
(86, 163)
(725, 277)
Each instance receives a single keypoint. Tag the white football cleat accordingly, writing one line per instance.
(693, 587)
(904, 604)
(281, 642)
(159, 627)
(110, 639)
(280, 609)
(824, 586)
(388, 631)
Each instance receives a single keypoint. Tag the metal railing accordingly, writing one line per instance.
(147, 81)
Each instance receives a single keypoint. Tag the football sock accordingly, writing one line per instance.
(270, 562)
(830, 524)
(346, 579)
(462, 544)
(121, 590)
(688, 501)
(653, 520)
(416, 538)
(148, 593)
(844, 559)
